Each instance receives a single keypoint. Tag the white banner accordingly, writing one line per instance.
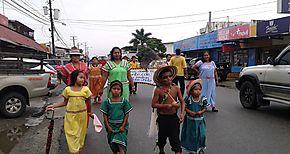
(142, 76)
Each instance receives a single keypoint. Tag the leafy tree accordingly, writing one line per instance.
(157, 46)
(140, 37)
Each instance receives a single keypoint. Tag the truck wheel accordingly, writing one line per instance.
(248, 95)
(12, 105)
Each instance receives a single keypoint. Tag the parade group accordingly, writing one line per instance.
(168, 101)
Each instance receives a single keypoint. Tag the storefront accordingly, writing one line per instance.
(194, 47)
(231, 51)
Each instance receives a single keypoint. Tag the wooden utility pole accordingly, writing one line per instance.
(209, 22)
(51, 28)
(74, 38)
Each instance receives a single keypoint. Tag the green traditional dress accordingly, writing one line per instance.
(116, 112)
(193, 136)
(118, 72)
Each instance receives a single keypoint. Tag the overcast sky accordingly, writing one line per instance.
(104, 24)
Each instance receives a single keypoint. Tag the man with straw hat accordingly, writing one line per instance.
(165, 101)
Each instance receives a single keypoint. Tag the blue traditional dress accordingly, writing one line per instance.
(116, 112)
(206, 74)
(193, 130)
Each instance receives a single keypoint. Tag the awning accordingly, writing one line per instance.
(15, 38)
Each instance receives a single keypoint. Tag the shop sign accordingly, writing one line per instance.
(223, 34)
(208, 41)
(273, 27)
(283, 6)
(239, 32)
(229, 48)
(186, 45)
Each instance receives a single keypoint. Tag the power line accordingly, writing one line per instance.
(45, 20)
(24, 13)
(171, 17)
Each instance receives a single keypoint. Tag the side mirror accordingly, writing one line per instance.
(270, 61)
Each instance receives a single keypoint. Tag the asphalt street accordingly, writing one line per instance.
(233, 130)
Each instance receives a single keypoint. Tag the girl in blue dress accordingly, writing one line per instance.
(193, 130)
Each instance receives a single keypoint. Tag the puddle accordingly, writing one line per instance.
(11, 137)
(33, 121)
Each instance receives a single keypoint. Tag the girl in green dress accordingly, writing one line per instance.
(116, 113)
(118, 69)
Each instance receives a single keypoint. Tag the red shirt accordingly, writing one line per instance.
(69, 68)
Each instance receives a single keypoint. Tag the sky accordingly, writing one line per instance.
(104, 24)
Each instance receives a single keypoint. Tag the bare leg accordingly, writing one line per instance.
(121, 149)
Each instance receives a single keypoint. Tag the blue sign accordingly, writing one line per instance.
(283, 6)
(208, 41)
(205, 41)
(186, 45)
(273, 27)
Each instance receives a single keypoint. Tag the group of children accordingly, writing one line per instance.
(167, 100)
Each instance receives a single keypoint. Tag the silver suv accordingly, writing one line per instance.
(261, 84)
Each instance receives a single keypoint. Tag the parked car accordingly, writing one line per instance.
(261, 84)
(18, 84)
(54, 62)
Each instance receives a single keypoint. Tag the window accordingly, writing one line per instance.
(285, 60)
(240, 58)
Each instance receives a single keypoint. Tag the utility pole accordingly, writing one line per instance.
(228, 21)
(74, 38)
(209, 22)
(52, 28)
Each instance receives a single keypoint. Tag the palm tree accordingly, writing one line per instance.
(140, 37)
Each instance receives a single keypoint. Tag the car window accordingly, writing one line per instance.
(285, 60)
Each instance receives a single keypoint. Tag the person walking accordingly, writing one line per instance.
(208, 74)
(75, 120)
(134, 65)
(165, 101)
(116, 114)
(168, 58)
(179, 62)
(193, 136)
(95, 79)
(117, 69)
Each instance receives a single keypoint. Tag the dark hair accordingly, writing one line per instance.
(164, 71)
(177, 51)
(133, 57)
(168, 55)
(111, 52)
(94, 58)
(116, 82)
(74, 76)
(202, 59)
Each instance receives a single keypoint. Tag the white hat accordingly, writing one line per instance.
(75, 52)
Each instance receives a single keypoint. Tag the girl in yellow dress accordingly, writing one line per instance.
(75, 120)
(95, 82)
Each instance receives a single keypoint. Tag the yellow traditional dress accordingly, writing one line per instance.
(95, 80)
(75, 119)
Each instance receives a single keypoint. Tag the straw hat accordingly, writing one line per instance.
(191, 83)
(75, 51)
(157, 78)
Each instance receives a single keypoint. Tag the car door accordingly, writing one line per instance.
(277, 79)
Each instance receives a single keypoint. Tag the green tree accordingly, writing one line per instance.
(140, 37)
(157, 46)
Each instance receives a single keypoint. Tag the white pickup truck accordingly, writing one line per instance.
(261, 84)
(18, 84)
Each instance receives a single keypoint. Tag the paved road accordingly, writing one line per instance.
(232, 130)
